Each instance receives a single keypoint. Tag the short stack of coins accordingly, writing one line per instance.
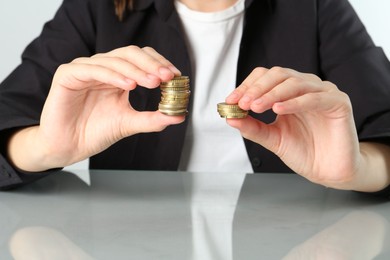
(231, 111)
(175, 95)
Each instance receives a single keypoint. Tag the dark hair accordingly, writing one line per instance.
(121, 6)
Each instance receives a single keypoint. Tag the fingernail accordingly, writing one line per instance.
(258, 101)
(174, 70)
(232, 96)
(165, 71)
(246, 99)
(151, 77)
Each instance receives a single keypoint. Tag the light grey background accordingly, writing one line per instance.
(22, 20)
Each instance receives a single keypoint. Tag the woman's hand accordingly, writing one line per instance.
(88, 108)
(314, 131)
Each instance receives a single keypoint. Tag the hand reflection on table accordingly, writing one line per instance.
(44, 243)
(358, 235)
(213, 199)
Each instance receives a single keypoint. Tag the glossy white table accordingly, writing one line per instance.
(173, 215)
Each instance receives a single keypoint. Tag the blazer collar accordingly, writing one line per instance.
(165, 7)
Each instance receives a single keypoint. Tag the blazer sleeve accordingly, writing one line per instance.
(70, 34)
(350, 59)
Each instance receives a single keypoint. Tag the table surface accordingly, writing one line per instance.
(182, 215)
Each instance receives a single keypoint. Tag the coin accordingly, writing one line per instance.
(231, 111)
(175, 96)
(174, 101)
(174, 89)
(179, 80)
(181, 94)
(172, 106)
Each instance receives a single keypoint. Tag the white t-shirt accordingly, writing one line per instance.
(213, 40)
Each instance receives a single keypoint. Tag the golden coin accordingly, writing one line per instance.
(229, 107)
(174, 100)
(174, 89)
(231, 111)
(233, 115)
(175, 96)
(172, 105)
(169, 112)
(176, 93)
(177, 81)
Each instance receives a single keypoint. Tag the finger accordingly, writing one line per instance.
(145, 122)
(144, 61)
(123, 67)
(290, 88)
(264, 84)
(81, 76)
(329, 102)
(238, 93)
(163, 60)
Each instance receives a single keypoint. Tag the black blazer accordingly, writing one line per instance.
(324, 37)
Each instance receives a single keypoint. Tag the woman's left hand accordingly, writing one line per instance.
(314, 132)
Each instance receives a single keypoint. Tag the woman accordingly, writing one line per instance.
(300, 75)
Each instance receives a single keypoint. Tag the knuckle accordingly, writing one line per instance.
(278, 70)
(259, 70)
(240, 91)
(98, 55)
(313, 77)
(148, 48)
(254, 90)
(132, 48)
(61, 68)
(295, 81)
(331, 86)
(344, 97)
(78, 60)
(242, 88)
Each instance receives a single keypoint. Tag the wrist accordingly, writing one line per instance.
(373, 173)
(27, 153)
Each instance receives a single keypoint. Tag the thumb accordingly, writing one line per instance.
(256, 131)
(145, 122)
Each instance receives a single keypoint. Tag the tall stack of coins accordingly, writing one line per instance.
(231, 111)
(175, 96)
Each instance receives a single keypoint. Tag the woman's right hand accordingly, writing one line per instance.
(87, 109)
